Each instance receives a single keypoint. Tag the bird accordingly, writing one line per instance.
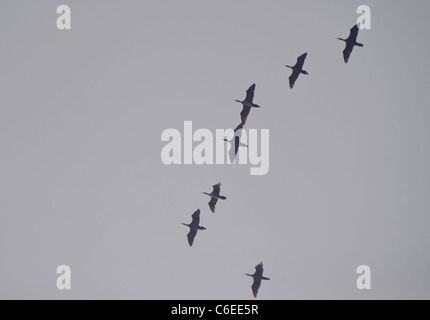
(247, 103)
(194, 227)
(351, 42)
(258, 276)
(214, 196)
(237, 143)
(297, 69)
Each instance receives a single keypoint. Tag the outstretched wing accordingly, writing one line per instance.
(212, 204)
(255, 286)
(231, 154)
(293, 78)
(250, 93)
(240, 126)
(353, 33)
(259, 269)
(236, 144)
(196, 218)
(301, 60)
(216, 189)
(191, 235)
(244, 114)
(347, 52)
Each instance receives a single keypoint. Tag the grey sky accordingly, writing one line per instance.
(82, 182)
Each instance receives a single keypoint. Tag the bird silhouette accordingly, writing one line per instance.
(194, 227)
(350, 42)
(215, 196)
(258, 276)
(236, 141)
(297, 69)
(247, 104)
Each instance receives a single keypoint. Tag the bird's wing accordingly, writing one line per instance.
(236, 144)
(347, 52)
(293, 78)
(212, 204)
(353, 33)
(191, 235)
(216, 189)
(237, 136)
(231, 154)
(196, 218)
(244, 114)
(240, 126)
(259, 269)
(255, 286)
(301, 60)
(250, 93)
(230, 151)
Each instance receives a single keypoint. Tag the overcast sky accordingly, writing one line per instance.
(82, 182)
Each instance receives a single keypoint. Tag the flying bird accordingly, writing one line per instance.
(194, 227)
(258, 276)
(351, 42)
(236, 141)
(297, 69)
(215, 196)
(247, 103)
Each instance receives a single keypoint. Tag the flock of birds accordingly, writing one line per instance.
(247, 104)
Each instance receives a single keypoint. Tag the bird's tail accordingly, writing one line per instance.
(222, 197)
